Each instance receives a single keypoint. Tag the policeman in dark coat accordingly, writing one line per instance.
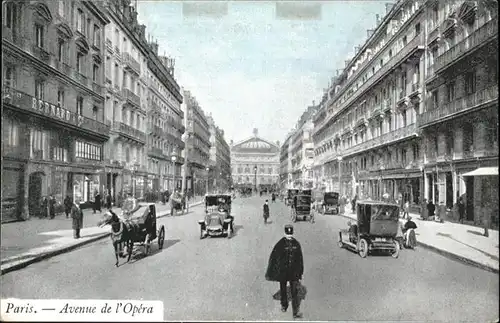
(286, 264)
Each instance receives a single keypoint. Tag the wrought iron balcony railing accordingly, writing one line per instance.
(129, 131)
(131, 63)
(462, 104)
(473, 41)
(132, 97)
(29, 103)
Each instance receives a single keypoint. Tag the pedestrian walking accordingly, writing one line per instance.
(108, 201)
(67, 205)
(266, 211)
(44, 205)
(77, 216)
(286, 264)
(431, 208)
(441, 212)
(424, 213)
(461, 210)
(406, 209)
(97, 203)
(52, 207)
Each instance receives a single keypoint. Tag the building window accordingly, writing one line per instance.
(435, 99)
(38, 139)
(10, 76)
(416, 151)
(60, 49)
(10, 131)
(60, 98)
(95, 111)
(39, 36)
(80, 21)
(95, 73)
(417, 29)
(97, 36)
(403, 115)
(79, 106)
(61, 8)
(450, 90)
(470, 82)
(11, 15)
(89, 151)
(390, 53)
(405, 40)
(79, 62)
(39, 89)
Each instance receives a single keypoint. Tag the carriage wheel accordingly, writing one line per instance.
(363, 248)
(161, 237)
(395, 253)
(146, 245)
(201, 233)
(229, 231)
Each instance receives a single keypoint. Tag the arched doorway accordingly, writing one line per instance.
(35, 192)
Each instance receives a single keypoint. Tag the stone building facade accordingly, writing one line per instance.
(197, 145)
(220, 159)
(255, 163)
(53, 120)
(416, 108)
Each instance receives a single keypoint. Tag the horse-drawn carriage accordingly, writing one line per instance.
(376, 229)
(136, 226)
(218, 219)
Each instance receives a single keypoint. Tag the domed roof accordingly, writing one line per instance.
(255, 145)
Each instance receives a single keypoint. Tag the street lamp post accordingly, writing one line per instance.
(173, 158)
(134, 166)
(255, 171)
(208, 175)
(339, 159)
(184, 138)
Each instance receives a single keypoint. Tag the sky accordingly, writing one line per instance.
(257, 64)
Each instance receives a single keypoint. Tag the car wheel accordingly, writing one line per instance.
(340, 243)
(363, 248)
(201, 233)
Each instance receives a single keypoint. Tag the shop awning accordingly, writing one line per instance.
(483, 171)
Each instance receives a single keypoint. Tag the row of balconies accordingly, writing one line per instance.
(51, 59)
(415, 46)
(129, 131)
(131, 64)
(30, 104)
(459, 105)
(475, 40)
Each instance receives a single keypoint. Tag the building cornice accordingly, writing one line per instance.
(98, 11)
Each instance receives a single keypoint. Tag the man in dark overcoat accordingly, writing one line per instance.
(97, 203)
(67, 205)
(266, 211)
(286, 264)
(77, 216)
(52, 206)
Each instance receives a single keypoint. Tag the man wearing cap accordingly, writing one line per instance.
(286, 264)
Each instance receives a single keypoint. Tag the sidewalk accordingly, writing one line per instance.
(458, 241)
(26, 242)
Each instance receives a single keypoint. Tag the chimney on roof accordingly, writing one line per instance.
(356, 49)
(370, 32)
(277, 143)
(347, 62)
(377, 18)
(231, 142)
(255, 132)
(314, 103)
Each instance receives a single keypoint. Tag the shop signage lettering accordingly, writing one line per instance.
(55, 111)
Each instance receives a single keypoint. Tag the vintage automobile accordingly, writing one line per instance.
(289, 198)
(301, 209)
(376, 229)
(218, 219)
(330, 203)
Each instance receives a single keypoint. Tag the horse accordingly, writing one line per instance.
(122, 235)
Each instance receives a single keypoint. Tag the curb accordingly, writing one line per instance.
(450, 255)
(53, 253)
